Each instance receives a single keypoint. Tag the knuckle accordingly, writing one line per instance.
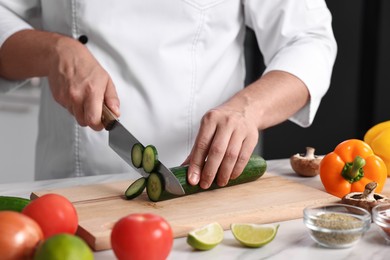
(231, 156)
(231, 120)
(216, 150)
(73, 94)
(202, 144)
(89, 88)
(210, 116)
(243, 159)
(208, 175)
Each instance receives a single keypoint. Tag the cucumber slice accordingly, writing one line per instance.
(135, 189)
(13, 203)
(150, 158)
(136, 155)
(154, 186)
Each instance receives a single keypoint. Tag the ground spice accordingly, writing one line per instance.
(338, 222)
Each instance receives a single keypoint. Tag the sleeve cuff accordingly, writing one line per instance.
(304, 61)
(10, 24)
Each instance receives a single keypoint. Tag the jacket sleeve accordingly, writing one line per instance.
(16, 15)
(296, 37)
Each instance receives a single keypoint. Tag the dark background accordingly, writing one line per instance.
(359, 93)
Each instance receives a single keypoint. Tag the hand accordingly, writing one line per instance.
(228, 134)
(80, 84)
(225, 142)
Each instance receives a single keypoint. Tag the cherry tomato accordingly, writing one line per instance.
(19, 236)
(54, 213)
(141, 236)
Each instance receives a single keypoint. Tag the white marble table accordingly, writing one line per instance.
(291, 242)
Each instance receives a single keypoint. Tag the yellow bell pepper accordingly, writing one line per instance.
(378, 137)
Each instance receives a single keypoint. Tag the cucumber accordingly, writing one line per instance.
(13, 203)
(155, 186)
(136, 155)
(136, 188)
(150, 158)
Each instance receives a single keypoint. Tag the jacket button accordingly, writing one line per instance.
(83, 39)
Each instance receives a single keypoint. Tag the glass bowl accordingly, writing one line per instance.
(336, 225)
(381, 217)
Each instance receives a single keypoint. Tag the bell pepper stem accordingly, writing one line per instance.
(353, 171)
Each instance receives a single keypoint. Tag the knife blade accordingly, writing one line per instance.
(121, 141)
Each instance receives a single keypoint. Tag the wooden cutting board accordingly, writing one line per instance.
(268, 199)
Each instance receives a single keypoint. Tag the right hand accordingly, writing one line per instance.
(80, 84)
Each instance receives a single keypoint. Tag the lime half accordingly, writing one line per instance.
(254, 235)
(206, 237)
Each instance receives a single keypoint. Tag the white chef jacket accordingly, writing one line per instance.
(170, 61)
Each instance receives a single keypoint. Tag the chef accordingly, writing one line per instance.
(172, 70)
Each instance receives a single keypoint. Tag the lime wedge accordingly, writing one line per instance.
(206, 237)
(254, 235)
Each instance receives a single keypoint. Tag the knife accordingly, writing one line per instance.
(121, 141)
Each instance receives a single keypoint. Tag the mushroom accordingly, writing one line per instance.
(307, 165)
(366, 199)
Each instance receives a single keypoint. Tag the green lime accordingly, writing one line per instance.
(63, 247)
(206, 237)
(254, 235)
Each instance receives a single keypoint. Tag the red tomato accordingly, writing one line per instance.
(141, 236)
(54, 213)
(19, 236)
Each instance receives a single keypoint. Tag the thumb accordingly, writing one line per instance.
(111, 98)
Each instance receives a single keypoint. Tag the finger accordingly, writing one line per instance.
(59, 96)
(92, 105)
(215, 156)
(111, 98)
(93, 112)
(78, 113)
(199, 151)
(248, 146)
(230, 158)
(76, 105)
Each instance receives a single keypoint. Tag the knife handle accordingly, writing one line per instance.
(108, 118)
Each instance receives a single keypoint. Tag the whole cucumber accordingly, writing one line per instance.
(254, 169)
(13, 203)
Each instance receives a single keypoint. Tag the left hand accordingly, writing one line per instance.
(225, 142)
(229, 133)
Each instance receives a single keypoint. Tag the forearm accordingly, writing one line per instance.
(29, 53)
(271, 99)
